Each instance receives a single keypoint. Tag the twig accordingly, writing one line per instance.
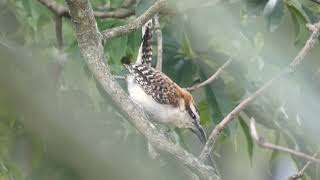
(301, 172)
(59, 35)
(262, 143)
(235, 112)
(212, 78)
(137, 23)
(308, 46)
(159, 41)
(90, 44)
(61, 10)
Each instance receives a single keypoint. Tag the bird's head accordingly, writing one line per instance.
(194, 121)
(195, 118)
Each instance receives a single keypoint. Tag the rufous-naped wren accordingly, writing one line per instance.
(160, 97)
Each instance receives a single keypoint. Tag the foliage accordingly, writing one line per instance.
(262, 36)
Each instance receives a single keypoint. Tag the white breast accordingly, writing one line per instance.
(160, 112)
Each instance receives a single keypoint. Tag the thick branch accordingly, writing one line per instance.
(61, 10)
(90, 44)
(159, 42)
(235, 112)
(137, 23)
(262, 143)
(212, 78)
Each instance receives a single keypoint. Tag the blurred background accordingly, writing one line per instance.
(57, 123)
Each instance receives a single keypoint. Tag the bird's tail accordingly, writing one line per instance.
(145, 50)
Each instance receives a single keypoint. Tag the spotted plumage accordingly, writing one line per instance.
(158, 95)
(156, 84)
(164, 92)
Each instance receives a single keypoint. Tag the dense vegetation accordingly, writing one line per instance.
(57, 123)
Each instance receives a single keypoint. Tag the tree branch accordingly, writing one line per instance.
(137, 23)
(61, 10)
(301, 172)
(235, 112)
(212, 78)
(159, 42)
(262, 143)
(90, 44)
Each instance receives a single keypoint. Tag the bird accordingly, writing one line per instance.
(164, 100)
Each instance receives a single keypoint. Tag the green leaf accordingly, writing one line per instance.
(134, 40)
(186, 48)
(298, 6)
(273, 11)
(110, 23)
(204, 113)
(213, 105)
(246, 132)
(300, 19)
(32, 13)
(116, 49)
(115, 3)
(275, 153)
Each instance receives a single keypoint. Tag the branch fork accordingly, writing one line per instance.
(264, 144)
(310, 43)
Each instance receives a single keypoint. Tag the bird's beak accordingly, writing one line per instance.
(198, 130)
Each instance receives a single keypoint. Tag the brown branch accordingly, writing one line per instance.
(90, 44)
(137, 23)
(61, 10)
(301, 172)
(235, 112)
(59, 35)
(212, 78)
(159, 41)
(264, 144)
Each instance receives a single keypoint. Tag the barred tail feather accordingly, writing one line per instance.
(145, 50)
